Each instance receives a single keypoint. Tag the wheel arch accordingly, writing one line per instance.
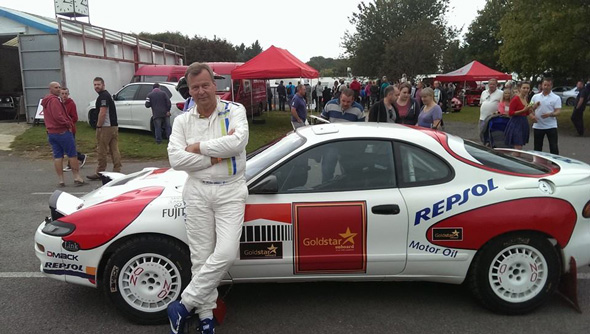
(521, 233)
(108, 253)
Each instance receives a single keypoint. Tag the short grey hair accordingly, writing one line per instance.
(197, 68)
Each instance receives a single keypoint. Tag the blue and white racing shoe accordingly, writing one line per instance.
(178, 315)
(207, 326)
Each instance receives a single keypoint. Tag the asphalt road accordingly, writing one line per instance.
(35, 304)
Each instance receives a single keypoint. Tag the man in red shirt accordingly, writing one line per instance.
(59, 133)
(356, 87)
(72, 111)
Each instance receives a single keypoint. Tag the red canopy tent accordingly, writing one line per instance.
(474, 71)
(274, 63)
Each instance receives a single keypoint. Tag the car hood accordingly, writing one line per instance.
(119, 184)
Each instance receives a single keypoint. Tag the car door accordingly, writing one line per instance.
(141, 115)
(124, 100)
(332, 210)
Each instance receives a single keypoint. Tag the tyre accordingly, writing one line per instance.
(570, 101)
(515, 274)
(144, 274)
(92, 118)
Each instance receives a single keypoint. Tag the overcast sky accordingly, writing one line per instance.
(306, 28)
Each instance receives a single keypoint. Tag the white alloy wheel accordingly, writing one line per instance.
(148, 282)
(518, 273)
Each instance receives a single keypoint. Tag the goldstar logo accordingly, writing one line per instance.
(345, 243)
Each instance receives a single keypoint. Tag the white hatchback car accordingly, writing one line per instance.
(130, 104)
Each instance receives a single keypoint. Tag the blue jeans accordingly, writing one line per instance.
(158, 122)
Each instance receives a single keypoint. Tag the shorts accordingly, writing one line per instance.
(62, 143)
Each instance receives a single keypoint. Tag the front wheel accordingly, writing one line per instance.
(570, 101)
(144, 274)
(515, 274)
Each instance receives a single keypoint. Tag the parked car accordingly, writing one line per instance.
(341, 202)
(568, 98)
(130, 104)
(473, 96)
(561, 89)
(250, 93)
(8, 108)
(159, 73)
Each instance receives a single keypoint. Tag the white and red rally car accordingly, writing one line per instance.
(341, 202)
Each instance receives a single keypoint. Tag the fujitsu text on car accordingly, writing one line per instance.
(338, 202)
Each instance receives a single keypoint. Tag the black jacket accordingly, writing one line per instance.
(412, 116)
(159, 101)
(378, 113)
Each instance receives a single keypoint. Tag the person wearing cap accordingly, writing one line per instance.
(182, 88)
(160, 103)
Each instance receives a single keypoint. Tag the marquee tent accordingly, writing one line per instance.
(274, 63)
(474, 71)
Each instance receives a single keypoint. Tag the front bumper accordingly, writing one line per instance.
(61, 264)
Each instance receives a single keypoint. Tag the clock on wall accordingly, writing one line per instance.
(71, 8)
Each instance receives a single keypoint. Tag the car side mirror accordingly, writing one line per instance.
(268, 185)
(115, 97)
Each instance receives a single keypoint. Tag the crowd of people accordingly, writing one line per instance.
(523, 107)
(401, 102)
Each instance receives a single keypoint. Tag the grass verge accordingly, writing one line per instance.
(141, 145)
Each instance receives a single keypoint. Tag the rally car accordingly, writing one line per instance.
(337, 202)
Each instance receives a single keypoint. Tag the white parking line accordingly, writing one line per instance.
(21, 275)
(72, 193)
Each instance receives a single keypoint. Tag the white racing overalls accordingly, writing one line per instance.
(215, 195)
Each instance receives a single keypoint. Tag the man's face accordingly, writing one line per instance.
(301, 91)
(202, 88)
(98, 86)
(436, 84)
(345, 101)
(492, 85)
(580, 85)
(54, 88)
(396, 94)
(546, 86)
(65, 94)
(420, 85)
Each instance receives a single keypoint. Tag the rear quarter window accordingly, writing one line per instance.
(502, 161)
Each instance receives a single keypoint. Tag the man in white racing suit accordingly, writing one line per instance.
(209, 143)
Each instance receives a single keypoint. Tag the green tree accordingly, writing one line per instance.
(329, 67)
(247, 53)
(547, 37)
(482, 40)
(380, 23)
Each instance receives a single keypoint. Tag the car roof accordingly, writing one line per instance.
(322, 132)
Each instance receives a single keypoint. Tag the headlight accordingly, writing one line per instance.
(58, 228)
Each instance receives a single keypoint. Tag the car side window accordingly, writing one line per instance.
(143, 92)
(339, 166)
(165, 90)
(418, 167)
(127, 93)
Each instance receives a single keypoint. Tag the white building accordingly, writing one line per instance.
(36, 50)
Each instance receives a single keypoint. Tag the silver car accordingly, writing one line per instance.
(131, 110)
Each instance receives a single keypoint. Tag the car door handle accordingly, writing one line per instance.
(387, 209)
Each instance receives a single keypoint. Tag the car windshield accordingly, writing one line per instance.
(272, 152)
(504, 162)
(223, 84)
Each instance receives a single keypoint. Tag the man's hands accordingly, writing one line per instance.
(196, 148)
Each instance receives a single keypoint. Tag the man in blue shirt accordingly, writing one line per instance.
(344, 109)
(299, 108)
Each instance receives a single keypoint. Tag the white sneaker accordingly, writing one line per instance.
(67, 169)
